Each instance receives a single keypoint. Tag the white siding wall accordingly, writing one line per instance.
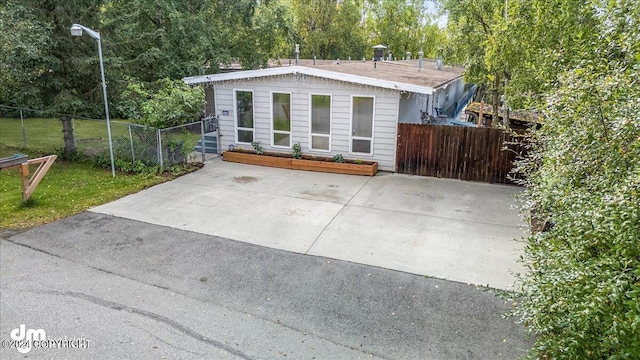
(410, 106)
(385, 112)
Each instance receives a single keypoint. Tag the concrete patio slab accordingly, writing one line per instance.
(463, 251)
(445, 198)
(279, 222)
(443, 228)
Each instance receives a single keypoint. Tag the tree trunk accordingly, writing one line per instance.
(67, 132)
(480, 93)
(496, 99)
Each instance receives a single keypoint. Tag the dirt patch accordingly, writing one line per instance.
(244, 179)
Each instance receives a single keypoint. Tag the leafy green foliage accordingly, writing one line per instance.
(164, 103)
(24, 39)
(338, 158)
(403, 26)
(581, 295)
(329, 29)
(518, 47)
(257, 148)
(297, 151)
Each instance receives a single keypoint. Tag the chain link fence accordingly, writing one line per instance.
(29, 130)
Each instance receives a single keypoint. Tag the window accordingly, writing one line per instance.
(320, 122)
(361, 124)
(244, 116)
(281, 119)
(211, 101)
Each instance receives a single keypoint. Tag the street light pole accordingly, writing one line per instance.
(76, 30)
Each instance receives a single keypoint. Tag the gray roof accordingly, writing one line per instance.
(396, 75)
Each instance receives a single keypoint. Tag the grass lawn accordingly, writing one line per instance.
(45, 134)
(44, 137)
(67, 189)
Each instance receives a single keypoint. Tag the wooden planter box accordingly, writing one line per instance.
(253, 159)
(367, 168)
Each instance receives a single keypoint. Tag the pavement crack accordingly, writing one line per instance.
(336, 215)
(156, 317)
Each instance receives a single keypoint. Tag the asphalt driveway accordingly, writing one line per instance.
(135, 290)
(447, 229)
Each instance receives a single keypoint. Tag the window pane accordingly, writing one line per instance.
(361, 146)
(320, 114)
(245, 136)
(282, 139)
(281, 112)
(320, 142)
(244, 108)
(362, 116)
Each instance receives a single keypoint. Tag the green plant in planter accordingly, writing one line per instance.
(314, 157)
(297, 151)
(357, 162)
(257, 148)
(338, 158)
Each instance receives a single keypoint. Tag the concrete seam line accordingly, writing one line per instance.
(336, 215)
(441, 217)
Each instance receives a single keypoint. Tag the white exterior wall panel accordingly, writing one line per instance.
(385, 112)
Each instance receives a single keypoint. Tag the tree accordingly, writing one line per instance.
(581, 296)
(473, 36)
(23, 41)
(163, 103)
(59, 73)
(540, 40)
(517, 47)
(329, 29)
(171, 39)
(403, 26)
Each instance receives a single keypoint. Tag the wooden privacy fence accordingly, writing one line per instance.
(457, 152)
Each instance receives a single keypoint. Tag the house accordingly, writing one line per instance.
(330, 107)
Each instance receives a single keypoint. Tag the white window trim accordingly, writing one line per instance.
(311, 135)
(235, 116)
(373, 124)
(290, 132)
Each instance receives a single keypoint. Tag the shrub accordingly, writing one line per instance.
(162, 104)
(257, 148)
(581, 295)
(297, 151)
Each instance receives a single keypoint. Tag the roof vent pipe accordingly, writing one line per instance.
(408, 56)
(420, 55)
(298, 53)
(378, 52)
(439, 62)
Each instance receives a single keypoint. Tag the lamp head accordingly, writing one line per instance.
(76, 30)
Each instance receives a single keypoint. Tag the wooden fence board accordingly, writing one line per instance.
(466, 153)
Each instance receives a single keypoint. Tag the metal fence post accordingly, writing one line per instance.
(73, 131)
(160, 148)
(24, 134)
(133, 151)
(202, 140)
